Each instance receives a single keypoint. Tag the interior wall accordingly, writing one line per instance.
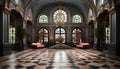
(68, 26)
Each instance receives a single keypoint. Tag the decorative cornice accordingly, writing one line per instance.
(7, 10)
(112, 10)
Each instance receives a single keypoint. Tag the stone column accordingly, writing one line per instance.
(6, 22)
(112, 22)
(117, 7)
(95, 39)
(24, 39)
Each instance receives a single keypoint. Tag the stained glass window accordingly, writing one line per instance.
(107, 35)
(43, 19)
(76, 19)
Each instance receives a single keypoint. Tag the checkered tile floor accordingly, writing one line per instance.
(59, 59)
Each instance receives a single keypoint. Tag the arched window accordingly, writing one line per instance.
(60, 35)
(43, 35)
(43, 19)
(94, 2)
(60, 15)
(76, 19)
(76, 35)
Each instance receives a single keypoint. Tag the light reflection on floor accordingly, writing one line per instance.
(59, 59)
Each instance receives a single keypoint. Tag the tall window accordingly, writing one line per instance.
(43, 19)
(12, 35)
(60, 14)
(60, 34)
(76, 35)
(107, 35)
(76, 19)
(43, 35)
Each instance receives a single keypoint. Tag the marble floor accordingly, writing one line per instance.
(59, 59)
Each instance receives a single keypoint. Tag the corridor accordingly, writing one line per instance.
(59, 59)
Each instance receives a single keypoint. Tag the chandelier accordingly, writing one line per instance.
(60, 22)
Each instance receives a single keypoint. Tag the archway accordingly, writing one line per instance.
(16, 31)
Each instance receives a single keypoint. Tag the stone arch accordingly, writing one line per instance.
(15, 16)
(16, 22)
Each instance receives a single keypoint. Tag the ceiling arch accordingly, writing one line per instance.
(83, 5)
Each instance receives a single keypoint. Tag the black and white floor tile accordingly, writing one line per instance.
(59, 59)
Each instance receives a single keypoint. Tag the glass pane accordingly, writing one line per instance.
(45, 39)
(62, 30)
(57, 30)
(56, 37)
(12, 35)
(107, 35)
(78, 31)
(63, 35)
(74, 30)
(45, 30)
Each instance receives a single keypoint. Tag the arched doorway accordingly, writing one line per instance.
(43, 35)
(76, 36)
(60, 35)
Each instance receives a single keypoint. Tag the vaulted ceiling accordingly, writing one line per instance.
(35, 5)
